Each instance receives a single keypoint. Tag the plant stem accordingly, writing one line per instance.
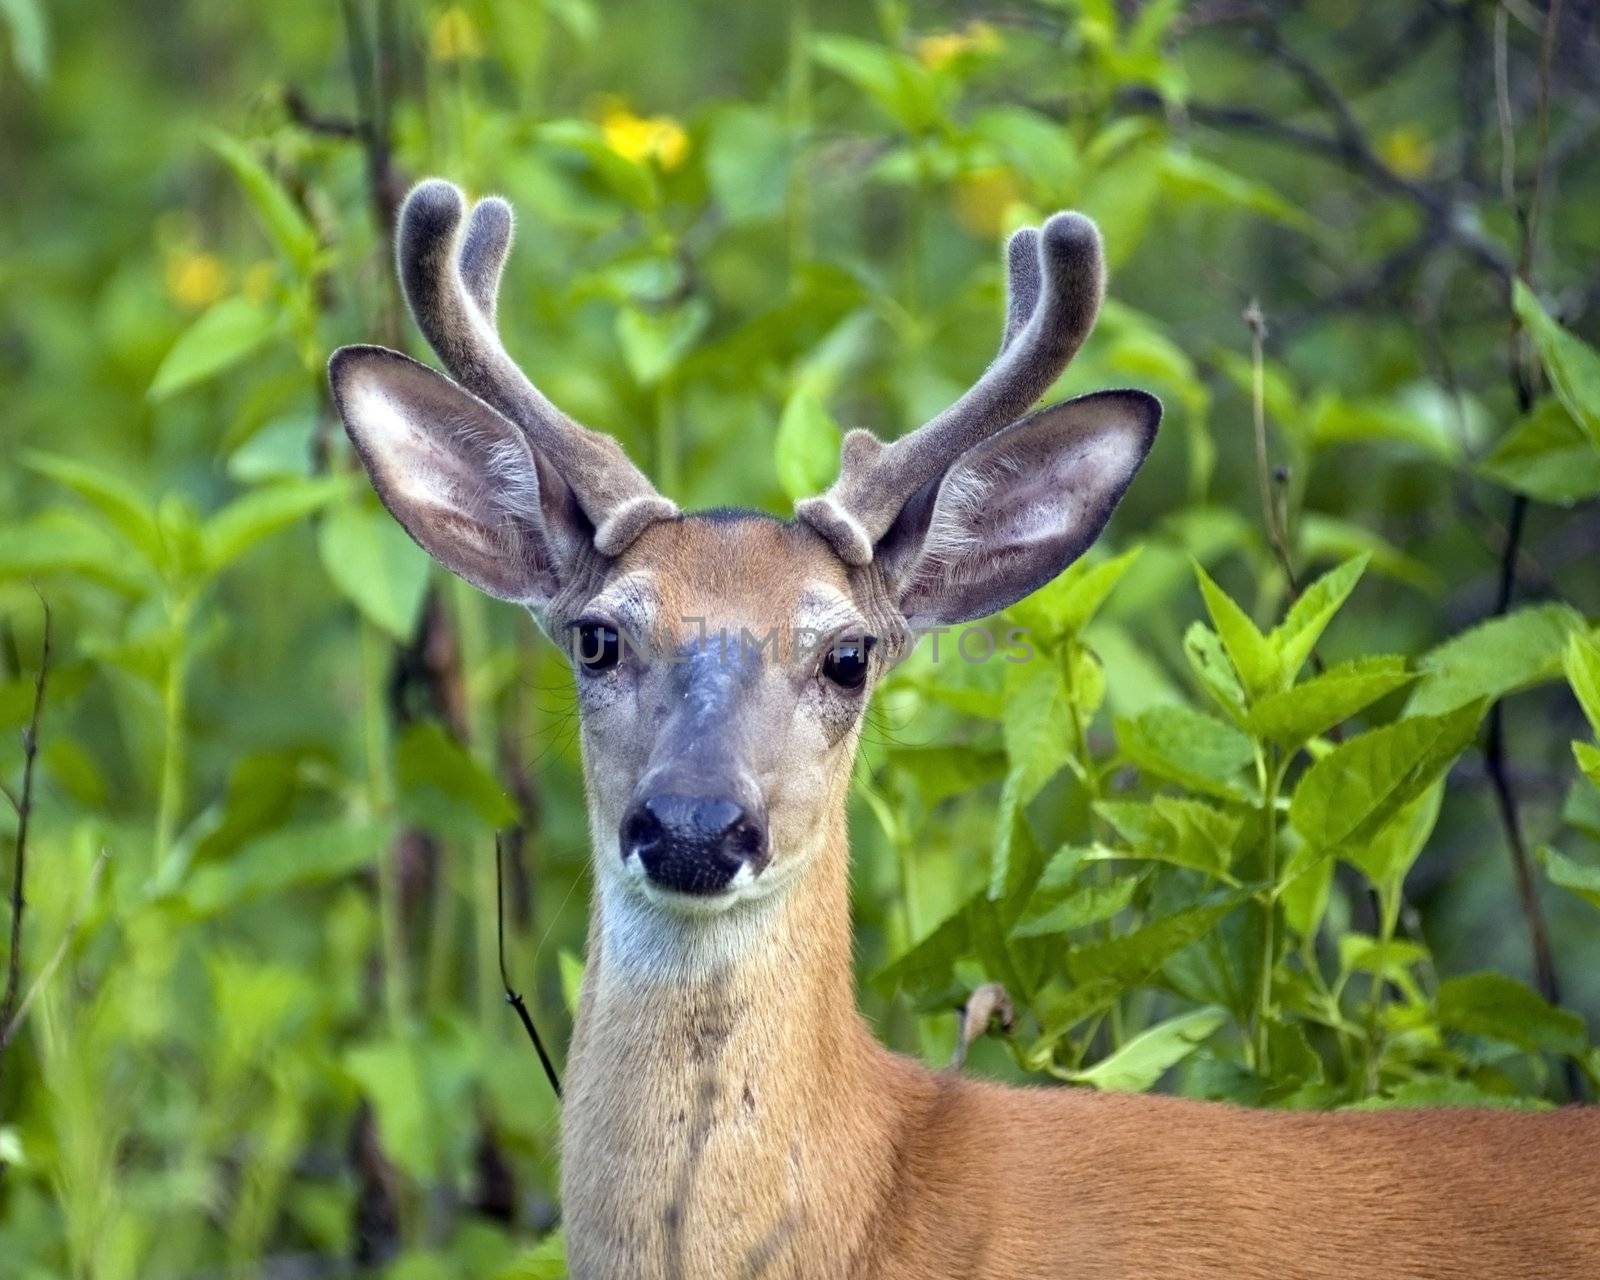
(19, 869)
(799, 120)
(1273, 772)
(1388, 917)
(174, 716)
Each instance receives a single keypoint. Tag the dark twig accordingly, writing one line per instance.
(1272, 513)
(300, 111)
(514, 998)
(8, 1030)
(30, 754)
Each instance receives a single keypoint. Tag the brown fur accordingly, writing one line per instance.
(733, 1116)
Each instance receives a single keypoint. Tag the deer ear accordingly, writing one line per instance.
(1011, 513)
(460, 478)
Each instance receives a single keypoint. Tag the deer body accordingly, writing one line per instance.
(711, 1130)
(728, 1113)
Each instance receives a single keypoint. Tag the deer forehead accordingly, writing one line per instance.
(734, 573)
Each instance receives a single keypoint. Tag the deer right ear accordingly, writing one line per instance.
(461, 479)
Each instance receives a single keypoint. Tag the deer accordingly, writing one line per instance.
(728, 1112)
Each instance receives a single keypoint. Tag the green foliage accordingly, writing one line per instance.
(1225, 831)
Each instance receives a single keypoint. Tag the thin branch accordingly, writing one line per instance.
(514, 998)
(9, 1030)
(30, 754)
(301, 112)
(1272, 513)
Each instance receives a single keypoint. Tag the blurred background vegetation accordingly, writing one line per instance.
(263, 1031)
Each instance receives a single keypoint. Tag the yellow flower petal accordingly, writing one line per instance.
(195, 279)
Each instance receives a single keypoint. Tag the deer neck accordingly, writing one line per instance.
(724, 1096)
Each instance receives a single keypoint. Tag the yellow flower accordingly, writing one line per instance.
(982, 197)
(937, 52)
(644, 138)
(455, 36)
(195, 278)
(1408, 151)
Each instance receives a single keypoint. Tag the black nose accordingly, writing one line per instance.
(693, 844)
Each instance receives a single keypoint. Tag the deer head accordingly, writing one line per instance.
(724, 659)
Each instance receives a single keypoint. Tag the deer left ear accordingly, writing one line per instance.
(1010, 514)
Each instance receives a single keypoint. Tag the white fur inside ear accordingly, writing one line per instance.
(456, 474)
(1013, 512)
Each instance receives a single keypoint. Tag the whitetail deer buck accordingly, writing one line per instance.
(728, 1113)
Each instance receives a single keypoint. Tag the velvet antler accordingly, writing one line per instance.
(451, 292)
(1056, 281)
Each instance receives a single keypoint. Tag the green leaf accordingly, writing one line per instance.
(1296, 715)
(30, 38)
(1345, 797)
(1588, 757)
(806, 451)
(655, 342)
(1054, 910)
(127, 509)
(1386, 857)
(1190, 179)
(547, 1260)
(1493, 1005)
(1187, 746)
(1581, 662)
(1212, 668)
(257, 515)
(1256, 660)
(445, 788)
(1177, 830)
(292, 857)
(1133, 957)
(377, 567)
(1546, 456)
(280, 217)
(1575, 877)
(1494, 658)
(217, 340)
(899, 85)
(1143, 1060)
(1323, 537)
(1362, 953)
(937, 773)
(1297, 635)
(748, 157)
(1335, 420)
(1573, 365)
(1069, 602)
(1037, 741)
(67, 542)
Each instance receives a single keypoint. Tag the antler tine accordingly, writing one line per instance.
(452, 295)
(1022, 282)
(1057, 279)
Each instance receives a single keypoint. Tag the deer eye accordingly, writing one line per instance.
(598, 648)
(846, 663)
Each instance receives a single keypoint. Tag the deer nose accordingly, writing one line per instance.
(693, 844)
